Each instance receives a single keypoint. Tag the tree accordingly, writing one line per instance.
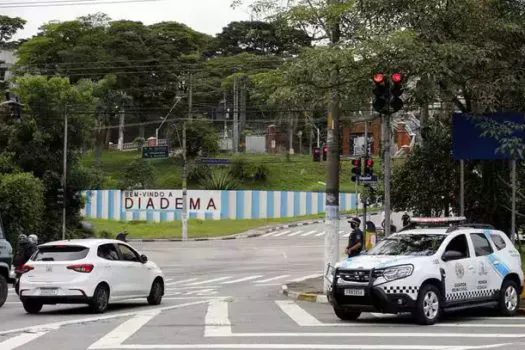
(139, 174)
(8, 27)
(201, 137)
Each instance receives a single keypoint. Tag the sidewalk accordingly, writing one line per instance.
(312, 290)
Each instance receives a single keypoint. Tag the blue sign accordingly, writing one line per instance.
(215, 161)
(469, 142)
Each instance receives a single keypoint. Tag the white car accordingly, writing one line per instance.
(427, 271)
(88, 271)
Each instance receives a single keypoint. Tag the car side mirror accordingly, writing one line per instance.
(143, 259)
(452, 255)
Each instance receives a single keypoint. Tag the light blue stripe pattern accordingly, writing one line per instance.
(269, 204)
(110, 204)
(296, 203)
(99, 205)
(239, 210)
(255, 205)
(163, 216)
(88, 204)
(224, 204)
(284, 204)
(320, 202)
(308, 203)
(149, 215)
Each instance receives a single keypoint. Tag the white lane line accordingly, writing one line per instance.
(168, 280)
(295, 233)
(20, 340)
(210, 281)
(282, 233)
(185, 287)
(304, 346)
(308, 233)
(268, 234)
(297, 313)
(249, 278)
(182, 281)
(216, 322)
(125, 330)
(272, 279)
(320, 234)
(268, 284)
(300, 279)
(378, 335)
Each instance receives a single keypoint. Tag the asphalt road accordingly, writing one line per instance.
(226, 295)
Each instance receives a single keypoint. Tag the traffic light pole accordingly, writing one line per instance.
(64, 175)
(387, 159)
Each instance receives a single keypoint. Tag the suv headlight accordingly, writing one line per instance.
(397, 272)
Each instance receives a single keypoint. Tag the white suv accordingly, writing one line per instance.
(427, 271)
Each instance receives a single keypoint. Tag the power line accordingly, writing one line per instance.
(57, 3)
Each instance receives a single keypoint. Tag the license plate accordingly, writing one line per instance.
(48, 292)
(355, 292)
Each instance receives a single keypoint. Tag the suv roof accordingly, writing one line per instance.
(88, 242)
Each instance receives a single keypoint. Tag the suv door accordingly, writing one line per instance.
(137, 272)
(459, 271)
(488, 276)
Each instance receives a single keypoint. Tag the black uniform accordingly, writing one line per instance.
(355, 237)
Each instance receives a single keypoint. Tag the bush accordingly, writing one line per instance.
(22, 205)
(241, 170)
(139, 174)
(219, 180)
(261, 172)
(197, 171)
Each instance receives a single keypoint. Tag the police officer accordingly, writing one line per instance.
(356, 241)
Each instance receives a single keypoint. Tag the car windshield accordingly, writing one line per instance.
(412, 244)
(60, 253)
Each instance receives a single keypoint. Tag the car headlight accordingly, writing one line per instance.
(397, 272)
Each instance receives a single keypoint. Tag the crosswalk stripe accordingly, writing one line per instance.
(320, 234)
(295, 233)
(297, 313)
(249, 278)
(308, 233)
(210, 281)
(300, 279)
(20, 340)
(268, 234)
(272, 279)
(282, 233)
(182, 281)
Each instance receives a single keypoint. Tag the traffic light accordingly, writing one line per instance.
(381, 93)
(369, 167)
(60, 196)
(356, 169)
(396, 91)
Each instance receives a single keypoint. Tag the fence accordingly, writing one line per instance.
(166, 205)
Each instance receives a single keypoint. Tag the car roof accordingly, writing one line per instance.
(87, 242)
(424, 231)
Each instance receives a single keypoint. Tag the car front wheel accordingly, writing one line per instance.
(509, 300)
(32, 306)
(345, 314)
(155, 295)
(4, 289)
(428, 305)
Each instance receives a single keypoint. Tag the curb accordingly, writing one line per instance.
(312, 297)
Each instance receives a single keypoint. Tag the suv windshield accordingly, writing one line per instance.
(412, 244)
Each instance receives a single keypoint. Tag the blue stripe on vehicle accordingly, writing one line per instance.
(269, 204)
(308, 203)
(296, 203)
(239, 208)
(284, 204)
(255, 205)
(501, 268)
(224, 205)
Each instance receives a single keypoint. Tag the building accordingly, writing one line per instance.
(7, 60)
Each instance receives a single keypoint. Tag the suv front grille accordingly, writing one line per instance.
(357, 275)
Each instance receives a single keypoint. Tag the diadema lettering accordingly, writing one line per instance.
(170, 200)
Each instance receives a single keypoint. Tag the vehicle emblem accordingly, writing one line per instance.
(460, 270)
(482, 269)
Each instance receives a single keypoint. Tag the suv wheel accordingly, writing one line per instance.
(428, 305)
(32, 306)
(509, 299)
(345, 314)
(4, 290)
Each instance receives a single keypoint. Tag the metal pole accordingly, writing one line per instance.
(121, 130)
(388, 171)
(366, 158)
(184, 186)
(461, 187)
(513, 181)
(64, 175)
(235, 116)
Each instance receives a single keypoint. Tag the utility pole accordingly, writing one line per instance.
(64, 175)
(387, 154)
(331, 241)
(513, 183)
(184, 168)
(461, 187)
(121, 130)
(242, 109)
(235, 115)
(365, 204)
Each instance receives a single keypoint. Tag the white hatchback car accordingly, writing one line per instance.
(88, 271)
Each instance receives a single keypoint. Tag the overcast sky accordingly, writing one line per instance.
(208, 16)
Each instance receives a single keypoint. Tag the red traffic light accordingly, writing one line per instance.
(379, 78)
(396, 77)
(356, 162)
(369, 163)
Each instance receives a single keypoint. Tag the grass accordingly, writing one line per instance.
(196, 228)
(300, 173)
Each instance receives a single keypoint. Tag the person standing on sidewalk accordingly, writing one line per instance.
(356, 238)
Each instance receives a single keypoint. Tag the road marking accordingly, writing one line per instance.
(282, 233)
(210, 281)
(377, 335)
(183, 281)
(300, 279)
(320, 234)
(308, 233)
(306, 346)
(20, 340)
(120, 334)
(216, 322)
(185, 287)
(168, 280)
(268, 234)
(295, 233)
(272, 279)
(297, 313)
(249, 278)
(268, 284)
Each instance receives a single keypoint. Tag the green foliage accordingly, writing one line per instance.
(197, 171)
(219, 180)
(239, 168)
(22, 205)
(244, 170)
(8, 27)
(139, 174)
(201, 137)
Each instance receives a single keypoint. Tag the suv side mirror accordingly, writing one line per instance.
(452, 255)
(143, 259)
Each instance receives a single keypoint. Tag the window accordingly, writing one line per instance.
(459, 244)
(481, 244)
(498, 241)
(128, 254)
(408, 244)
(60, 253)
(108, 252)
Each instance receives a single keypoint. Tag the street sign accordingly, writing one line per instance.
(155, 152)
(367, 179)
(215, 161)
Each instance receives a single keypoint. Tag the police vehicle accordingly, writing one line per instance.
(432, 266)
(6, 257)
